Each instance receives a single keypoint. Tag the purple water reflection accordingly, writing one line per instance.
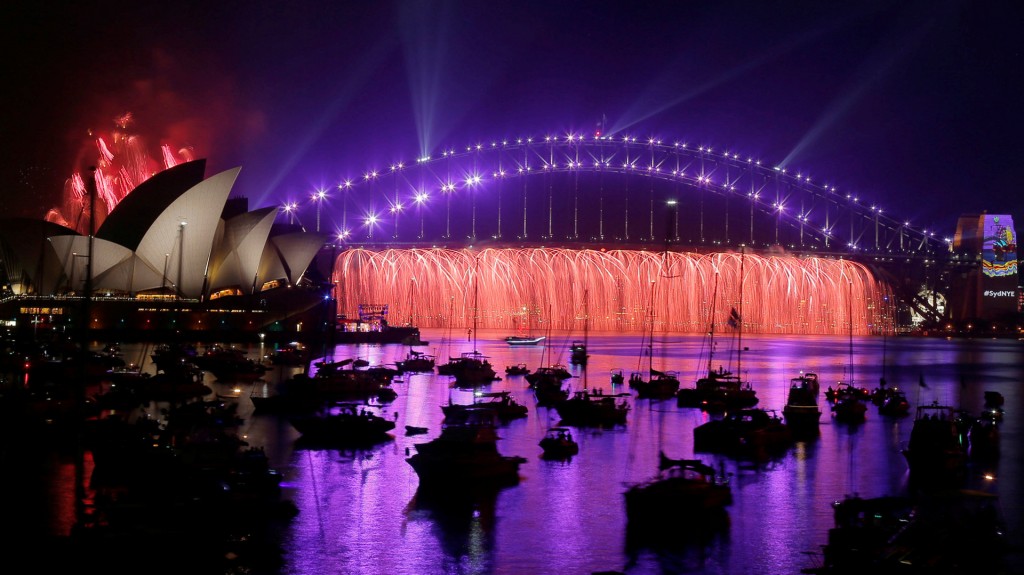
(360, 511)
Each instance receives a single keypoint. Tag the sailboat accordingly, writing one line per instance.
(578, 350)
(720, 389)
(471, 368)
(848, 400)
(547, 380)
(524, 337)
(659, 384)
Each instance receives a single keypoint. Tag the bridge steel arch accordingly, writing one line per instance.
(531, 190)
(581, 191)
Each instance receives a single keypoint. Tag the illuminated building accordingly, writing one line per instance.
(174, 253)
(989, 291)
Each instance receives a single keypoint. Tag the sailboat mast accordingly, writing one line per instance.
(476, 293)
(586, 327)
(849, 312)
(650, 341)
(711, 322)
(739, 322)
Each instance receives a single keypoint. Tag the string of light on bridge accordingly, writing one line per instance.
(838, 222)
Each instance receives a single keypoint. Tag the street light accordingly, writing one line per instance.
(447, 190)
(344, 187)
(420, 199)
(289, 209)
(471, 183)
(371, 220)
(318, 197)
(674, 206)
(396, 209)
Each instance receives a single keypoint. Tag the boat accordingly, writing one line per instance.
(465, 454)
(593, 408)
(502, 402)
(660, 384)
(293, 354)
(524, 336)
(342, 423)
(685, 496)
(849, 403)
(718, 390)
(170, 356)
(950, 531)
(470, 369)
(617, 377)
(523, 340)
(936, 454)
(895, 403)
(843, 388)
(801, 412)
(550, 391)
(993, 408)
(517, 369)
(751, 433)
(849, 400)
(331, 383)
(554, 372)
(983, 441)
(371, 326)
(415, 430)
(548, 376)
(558, 443)
(994, 399)
(229, 364)
(416, 361)
(578, 353)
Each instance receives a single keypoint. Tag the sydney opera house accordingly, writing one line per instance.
(176, 257)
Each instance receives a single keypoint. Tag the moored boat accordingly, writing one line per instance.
(502, 402)
(578, 353)
(465, 454)
(686, 496)
(469, 369)
(416, 361)
(895, 403)
(718, 391)
(558, 443)
(801, 412)
(751, 433)
(936, 454)
(593, 408)
(659, 384)
(344, 424)
(517, 369)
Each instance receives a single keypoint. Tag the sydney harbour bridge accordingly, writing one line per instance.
(620, 233)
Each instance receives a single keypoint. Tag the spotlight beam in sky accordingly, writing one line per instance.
(871, 73)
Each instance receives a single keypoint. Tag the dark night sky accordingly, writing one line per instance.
(913, 105)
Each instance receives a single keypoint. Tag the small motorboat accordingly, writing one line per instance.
(414, 430)
(558, 443)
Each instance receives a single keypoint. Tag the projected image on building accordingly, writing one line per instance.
(999, 246)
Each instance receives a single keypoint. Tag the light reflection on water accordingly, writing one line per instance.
(359, 511)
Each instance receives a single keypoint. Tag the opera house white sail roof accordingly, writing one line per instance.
(169, 235)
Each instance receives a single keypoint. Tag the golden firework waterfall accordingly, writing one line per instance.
(781, 294)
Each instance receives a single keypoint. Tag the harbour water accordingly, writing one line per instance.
(359, 510)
